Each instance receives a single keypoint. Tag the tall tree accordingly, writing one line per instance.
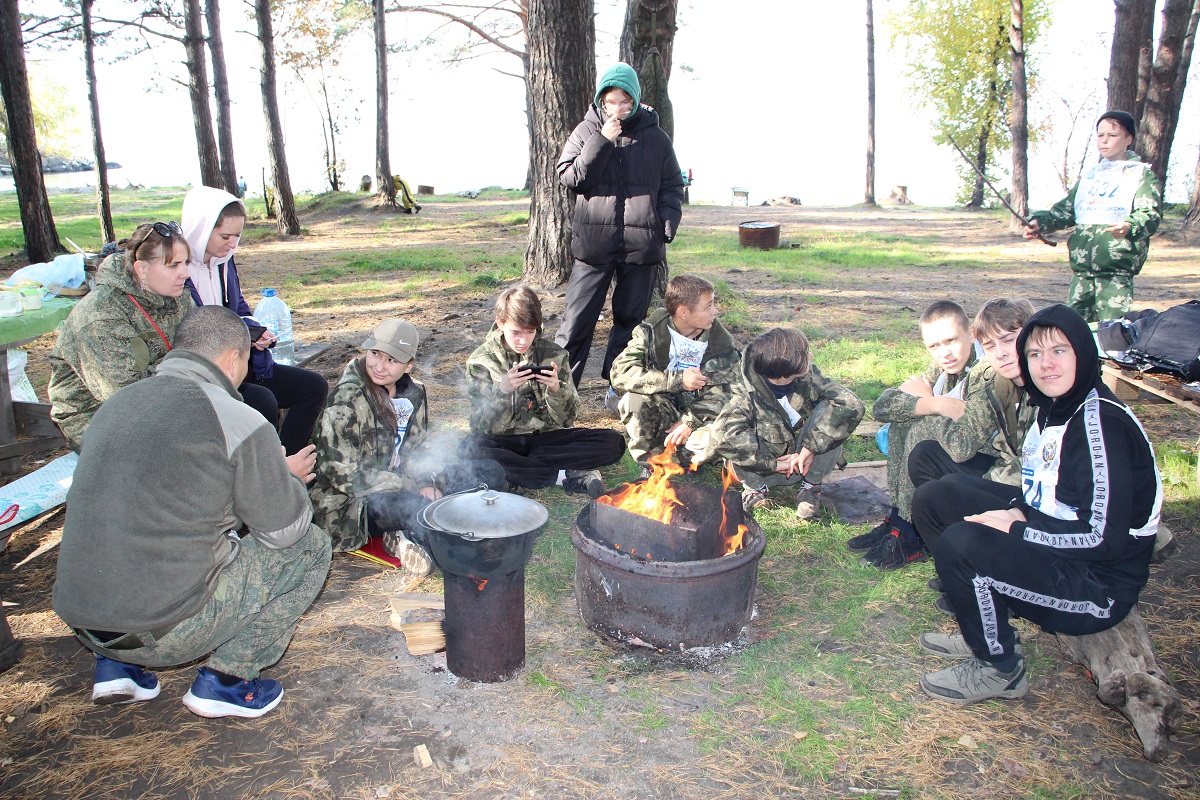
(1192, 218)
(869, 193)
(1157, 128)
(37, 223)
(285, 204)
(383, 163)
(206, 143)
(1145, 62)
(103, 204)
(647, 42)
(216, 48)
(1126, 51)
(1020, 119)
(560, 81)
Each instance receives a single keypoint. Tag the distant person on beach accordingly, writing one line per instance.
(628, 203)
(1115, 206)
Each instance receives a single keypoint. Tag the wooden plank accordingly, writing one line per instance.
(1162, 386)
(14, 450)
(33, 419)
(308, 352)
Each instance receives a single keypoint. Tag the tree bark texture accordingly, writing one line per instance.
(869, 193)
(649, 23)
(560, 78)
(1185, 60)
(37, 223)
(383, 163)
(1145, 60)
(1192, 220)
(653, 80)
(216, 49)
(1126, 50)
(1157, 127)
(206, 143)
(103, 204)
(285, 205)
(1020, 119)
(981, 159)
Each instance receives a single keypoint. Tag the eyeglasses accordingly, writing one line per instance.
(618, 104)
(163, 229)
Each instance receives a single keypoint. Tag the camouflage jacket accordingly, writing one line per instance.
(642, 368)
(1094, 250)
(901, 407)
(995, 422)
(530, 409)
(354, 450)
(107, 343)
(753, 431)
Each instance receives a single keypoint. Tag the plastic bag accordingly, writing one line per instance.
(63, 272)
(22, 389)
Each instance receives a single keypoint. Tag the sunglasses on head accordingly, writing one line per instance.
(163, 229)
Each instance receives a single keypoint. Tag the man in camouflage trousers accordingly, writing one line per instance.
(677, 372)
(151, 569)
(785, 422)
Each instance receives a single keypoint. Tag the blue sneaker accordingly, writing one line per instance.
(118, 682)
(210, 698)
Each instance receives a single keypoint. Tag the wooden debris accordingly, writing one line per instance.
(422, 757)
(406, 600)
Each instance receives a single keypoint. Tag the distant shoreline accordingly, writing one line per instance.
(56, 164)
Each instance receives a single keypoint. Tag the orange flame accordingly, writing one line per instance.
(654, 497)
(479, 582)
(733, 541)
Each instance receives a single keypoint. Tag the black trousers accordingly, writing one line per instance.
(586, 292)
(397, 511)
(301, 391)
(986, 572)
(929, 461)
(533, 460)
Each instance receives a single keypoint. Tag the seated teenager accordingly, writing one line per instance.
(151, 570)
(523, 405)
(374, 472)
(677, 371)
(918, 409)
(1070, 548)
(786, 422)
(212, 221)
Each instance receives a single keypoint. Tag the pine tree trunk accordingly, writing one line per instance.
(37, 223)
(1157, 127)
(1185, 62)
(1145, 61)
(981, 159)
(216, 48)
(1126, 51)
(285, 205)
(560, 77)
(103, 204)
(383, 163)
(1192, 218)
(869, 194)
(1020, 119)
(206, 143)
(649, 23)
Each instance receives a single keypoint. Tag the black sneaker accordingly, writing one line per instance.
(584, 481)
(935, 584)
(892, 553)
(865, 542)
(942, 604)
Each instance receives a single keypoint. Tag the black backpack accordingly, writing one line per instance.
(1168, 342)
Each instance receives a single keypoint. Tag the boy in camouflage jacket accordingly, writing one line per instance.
(677, 371)
(1105, 256)
(785, 422)
(523, 405)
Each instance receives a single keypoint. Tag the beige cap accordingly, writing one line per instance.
(395, 337)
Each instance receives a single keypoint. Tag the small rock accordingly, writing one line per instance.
(1014, 769)
(448, 317)
(968, 742)
(1097, 759)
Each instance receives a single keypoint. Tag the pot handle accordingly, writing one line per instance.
(424, 520)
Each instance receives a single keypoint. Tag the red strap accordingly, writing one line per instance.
(151, 320)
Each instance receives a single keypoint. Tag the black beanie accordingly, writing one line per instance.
(1122, 118)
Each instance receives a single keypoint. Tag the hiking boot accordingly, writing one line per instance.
(953, 645)
(935, 584)
(865, 542)
(891, 552)
(211, 697)
(610, 401)
(808, 506)
(414, 559)
(584, 481)
(972, 680)
(116, 682)
(644, 472)
(942, 604)
(753, 498)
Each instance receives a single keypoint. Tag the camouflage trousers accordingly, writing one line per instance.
(902, 438)
(647, 419)
(248, 622)
(1100, 297)
(822, 465)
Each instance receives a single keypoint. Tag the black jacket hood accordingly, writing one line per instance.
(1087, 364)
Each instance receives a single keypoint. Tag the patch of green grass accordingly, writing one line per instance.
(491, 280)
(75, 215)
(869, 366)
(508, 219)
(541, 680)
(414, 259)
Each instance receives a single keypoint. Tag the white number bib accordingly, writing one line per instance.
(1105, 193)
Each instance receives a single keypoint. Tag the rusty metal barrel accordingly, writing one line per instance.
(763, 235)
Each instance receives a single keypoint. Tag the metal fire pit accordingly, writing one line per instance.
(670, 600)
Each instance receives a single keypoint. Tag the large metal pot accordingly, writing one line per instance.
(482, 534)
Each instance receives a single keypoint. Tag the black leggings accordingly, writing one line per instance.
(301, 391)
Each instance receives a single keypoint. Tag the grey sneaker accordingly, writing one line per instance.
(972, 680)
(753, 498)
(808, 506)
(414, 559)
(953, 645)
(610, 400)
(584, 481)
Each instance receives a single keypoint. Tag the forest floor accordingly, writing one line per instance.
(818, 698)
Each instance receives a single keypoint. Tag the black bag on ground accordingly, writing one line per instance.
(1169, 341)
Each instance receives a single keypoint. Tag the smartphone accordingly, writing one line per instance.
(537, 369)
(256, 332)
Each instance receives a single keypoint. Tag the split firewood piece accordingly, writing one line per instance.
(422, 757)
(406, 600)
(1130, 680)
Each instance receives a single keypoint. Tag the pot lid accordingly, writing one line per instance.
(486, 514)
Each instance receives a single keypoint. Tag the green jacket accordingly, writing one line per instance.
(354, 451)
(530, 409)
(642, 368)
(995, 422)
(1095, 251)
(901, 407)
(753, 431)
(107, 343)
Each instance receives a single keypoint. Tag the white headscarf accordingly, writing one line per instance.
(201, 207)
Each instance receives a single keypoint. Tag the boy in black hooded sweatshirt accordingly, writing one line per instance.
(1070, 548)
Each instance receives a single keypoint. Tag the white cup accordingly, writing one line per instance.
(10, 304)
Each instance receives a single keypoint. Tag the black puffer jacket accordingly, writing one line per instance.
(629, 195)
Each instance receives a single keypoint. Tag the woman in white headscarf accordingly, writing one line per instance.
(212, 223)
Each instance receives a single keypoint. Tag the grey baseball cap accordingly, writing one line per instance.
(395, 337)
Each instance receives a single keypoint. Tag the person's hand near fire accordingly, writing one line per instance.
(794, 463)
(519, 374)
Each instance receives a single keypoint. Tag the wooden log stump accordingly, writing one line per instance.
(1129, 679)
(10, 646)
